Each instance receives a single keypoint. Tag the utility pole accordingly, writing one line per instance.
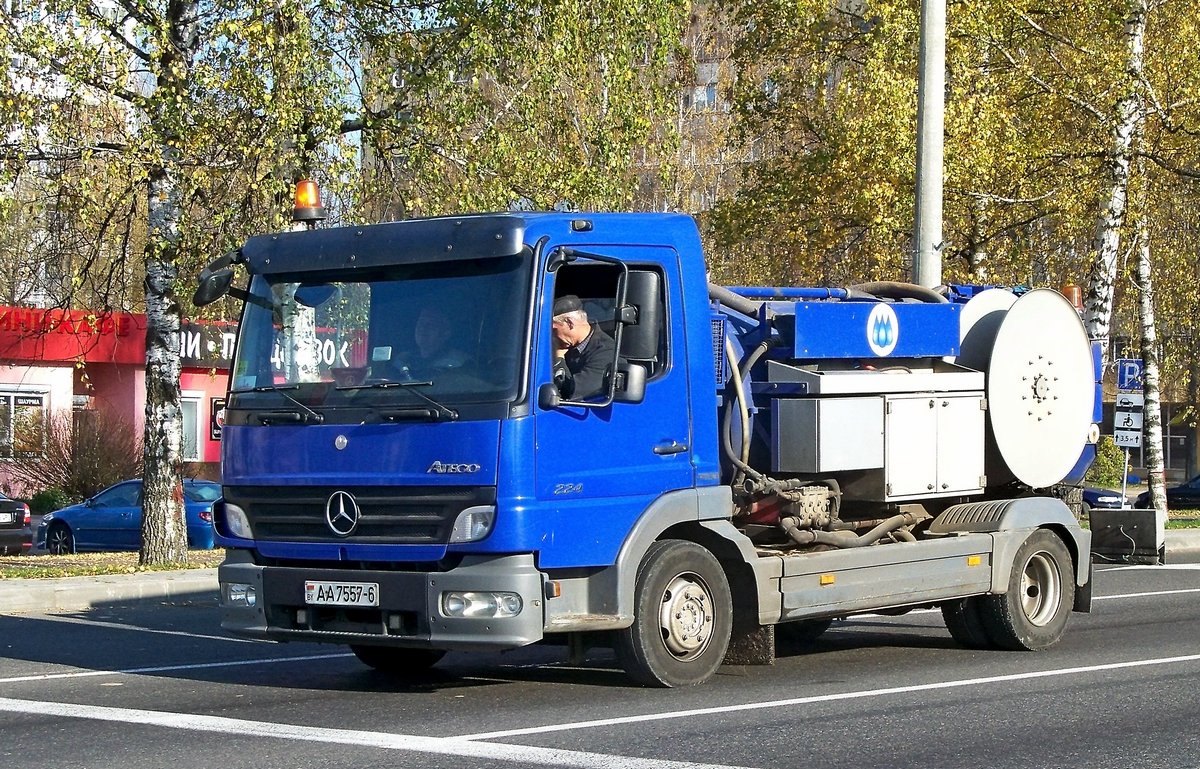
(931, 104)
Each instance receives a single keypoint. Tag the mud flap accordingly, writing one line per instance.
(1083, 593)
(751, 645)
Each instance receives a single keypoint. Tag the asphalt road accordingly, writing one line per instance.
(155, 687)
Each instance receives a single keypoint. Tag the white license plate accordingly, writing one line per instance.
(341, 593)
(6, 517)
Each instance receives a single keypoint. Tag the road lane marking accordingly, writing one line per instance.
(856, 695)
(171, 668)
(447, 746)
(1159, 567)
(1150, 594)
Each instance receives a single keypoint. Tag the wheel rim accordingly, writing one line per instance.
(686, 616)
(1040, 589)
(58, 541)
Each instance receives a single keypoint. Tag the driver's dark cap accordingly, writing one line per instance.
(568, 303)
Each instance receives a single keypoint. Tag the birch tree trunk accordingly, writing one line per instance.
(1126, 131)
(164, 530)
(1153, 431)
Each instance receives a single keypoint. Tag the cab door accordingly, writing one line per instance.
(597, 468)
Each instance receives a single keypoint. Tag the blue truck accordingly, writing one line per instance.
(757, 460)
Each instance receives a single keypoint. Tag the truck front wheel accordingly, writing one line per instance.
(683, 617)
(1033, 614)
(397, 661)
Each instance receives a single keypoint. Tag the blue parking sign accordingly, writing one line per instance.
(1129, 373)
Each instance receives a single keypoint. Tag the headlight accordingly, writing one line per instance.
(482, 604)
(239, 594)
(473, 524)
(236, 524)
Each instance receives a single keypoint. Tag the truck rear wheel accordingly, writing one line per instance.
(1033, 614)
(683, 617)
(964, 620)
(397, 661)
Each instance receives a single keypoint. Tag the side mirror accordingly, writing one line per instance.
(548, 397)
(213, 286)
(639, 340)
(631, 384)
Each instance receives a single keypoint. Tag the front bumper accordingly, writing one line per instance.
(409, 612)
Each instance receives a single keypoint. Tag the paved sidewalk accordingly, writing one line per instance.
(82, 593)
(1182, 544)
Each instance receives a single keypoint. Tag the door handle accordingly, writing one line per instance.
(674, 447)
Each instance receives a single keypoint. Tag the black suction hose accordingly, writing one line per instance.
(732, 300)
(888, 289)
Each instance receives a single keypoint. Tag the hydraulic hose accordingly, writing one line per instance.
(847, 539)
(889, 289)
(732, 300)
(743, 412)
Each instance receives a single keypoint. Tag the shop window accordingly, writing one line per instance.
(22, 425)
(190, 404)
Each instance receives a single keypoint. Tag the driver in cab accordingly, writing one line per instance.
(583, 353)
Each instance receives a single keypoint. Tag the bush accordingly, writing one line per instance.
(85, 452)
(49, 500)
(1109, 468)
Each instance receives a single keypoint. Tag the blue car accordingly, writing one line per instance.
(112, 520)
(1103, 498)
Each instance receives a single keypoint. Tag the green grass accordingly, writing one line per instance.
(92, 564)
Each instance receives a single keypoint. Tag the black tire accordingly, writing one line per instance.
(964, 620)
(1033, 614)
(683, 617)
(802, 632)
(59, 539)
(398, 661)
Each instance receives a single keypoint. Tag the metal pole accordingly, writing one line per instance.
(1125, 480)
(931, 98)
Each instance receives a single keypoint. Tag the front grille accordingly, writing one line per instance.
(412, 515)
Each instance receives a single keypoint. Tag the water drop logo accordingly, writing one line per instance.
(883, 329)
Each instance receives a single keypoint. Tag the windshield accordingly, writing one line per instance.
(201, 492)
(453, 331)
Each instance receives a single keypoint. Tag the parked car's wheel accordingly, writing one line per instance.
(1033, 614)
(397, 661)
(59, 539)
(683, 617)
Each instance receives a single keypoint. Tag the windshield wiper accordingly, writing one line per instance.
(441, 409)
(308, 416)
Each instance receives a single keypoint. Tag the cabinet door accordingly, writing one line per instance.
(911, 432)
(960, 443)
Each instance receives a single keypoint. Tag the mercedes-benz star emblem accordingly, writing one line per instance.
(341, 513)
(340, 442)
